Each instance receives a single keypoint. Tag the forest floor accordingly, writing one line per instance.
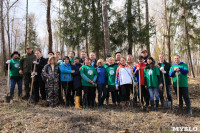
(17, 117)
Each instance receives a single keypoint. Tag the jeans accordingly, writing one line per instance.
(183, 92)
(169, 96)
(101, 89)
(13, 82)
(152, 92)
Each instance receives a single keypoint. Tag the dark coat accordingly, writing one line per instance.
(76, 75)
(42, 62)
(166, 68)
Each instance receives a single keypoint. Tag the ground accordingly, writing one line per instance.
(17, 117)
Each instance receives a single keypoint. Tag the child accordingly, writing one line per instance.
(152, 81)
(101, 86)
(110, 80)
(89, 76)
(51, 74)
(67, 80)
(124, 79)
(77, 82)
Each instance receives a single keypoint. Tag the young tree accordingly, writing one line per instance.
(49, 25)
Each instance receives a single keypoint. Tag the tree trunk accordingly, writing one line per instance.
(3, 36)
(49, 25)
(187, 37)
(106, 29)
(129, 20)
(26, 34)
(86, 45)
(8, 25)
(147, 23)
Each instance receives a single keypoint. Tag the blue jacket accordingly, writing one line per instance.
(65, 72)
(76, 75)
(101, 72)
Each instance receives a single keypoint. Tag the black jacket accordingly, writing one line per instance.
(76, 75)
(42, 62)
(166, 68)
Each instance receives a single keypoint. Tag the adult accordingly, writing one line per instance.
(38, 85)
(15, 77)
(93, 58)
(118, 57)
(58, 58)
(25, 65)
(71, 56)
(83, 56)
(67, 80)
(182, 69)
(144, 54)
(130, 61)
(164, 70)
(51, 75)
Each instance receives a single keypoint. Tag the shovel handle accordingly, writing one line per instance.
(8, 80)
(177, 87)
(165, 89)
(140, 87)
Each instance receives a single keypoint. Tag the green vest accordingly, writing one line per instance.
(111, 73)
(183, 80)
(14, 71)
(151, 77)
(90, 72)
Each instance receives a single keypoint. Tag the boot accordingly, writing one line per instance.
(157, 103)
(152, 105)
(77, 102)
(11, 95)
(189, 111)
(19, 95)
(107, 101)
(26, 97)
(162, 102)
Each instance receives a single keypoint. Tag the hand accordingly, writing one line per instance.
(33, 73)
(107, 86)
(95, 85)
(117, 87)
(72, 71)
(35, 62)
(162, 69)
(8, 62)
(145, 86)
(138, 68)
(161, 85)
(90, 81)
(80, 68)
(176, 69)
(20, 72)
(164, 72)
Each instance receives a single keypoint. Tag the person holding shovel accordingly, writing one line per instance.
(164, 70)
(15, 77)
(179, 72)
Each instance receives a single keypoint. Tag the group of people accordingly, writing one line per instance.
(76, 79)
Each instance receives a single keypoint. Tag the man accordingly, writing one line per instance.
(15, 77)
(71, 56)
(39, 85)
(182, 69)
(130, 60)
(93, 58)
(144, 54)
(25, 65)
(59, 60)
(83, 56)
(164, 70)
(118, 57)
(144, 92)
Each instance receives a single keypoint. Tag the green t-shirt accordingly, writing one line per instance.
(151, 77)
(183, 80)
(90, 72)
(111, 73)
(14, 71)
(105, 66)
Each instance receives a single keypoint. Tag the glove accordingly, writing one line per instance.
(164, 72)
(138, 68)
(117, 87)
(8, 62)
(162, 69)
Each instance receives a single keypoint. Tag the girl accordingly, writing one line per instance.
(67, 80)
(51, 75)
(89, 76)
(152, 81)
(101, 86)
(124, 79)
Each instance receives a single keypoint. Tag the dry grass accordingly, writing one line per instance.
(17, 117)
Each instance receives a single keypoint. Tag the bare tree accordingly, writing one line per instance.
(49, 24)
(26, 34)
(147, 23)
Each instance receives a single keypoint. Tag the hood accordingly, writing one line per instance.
(179, 63)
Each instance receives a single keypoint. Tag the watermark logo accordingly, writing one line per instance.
(185, 129)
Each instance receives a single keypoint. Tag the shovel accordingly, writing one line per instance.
(29, 100)
(8, 97)
(140, 90)
(167, 104)
(177, 87)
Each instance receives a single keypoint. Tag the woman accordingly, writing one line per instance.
(67, 80)
(51, 74)
(89, 76)
(124, 79)
(152, 81)
(101, 86)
